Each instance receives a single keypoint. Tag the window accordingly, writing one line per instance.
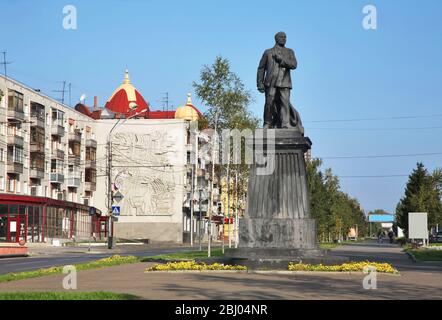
(37, 111)
(18, 155)
(91, 154)
(15, 100)
(57, 117)
(2, 183)
(2, 155)
(90, 175)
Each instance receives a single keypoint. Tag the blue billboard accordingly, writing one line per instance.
(381, 218)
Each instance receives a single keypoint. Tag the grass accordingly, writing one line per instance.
(188, 255)
(66, 296)
(106, 262)
(332, 245)
(426, 254)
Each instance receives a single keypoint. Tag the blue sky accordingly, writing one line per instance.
(344, 71)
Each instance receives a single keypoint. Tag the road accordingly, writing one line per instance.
(416, 281)
(67, 257)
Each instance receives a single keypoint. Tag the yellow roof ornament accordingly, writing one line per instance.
(126, 77)
(189, 99)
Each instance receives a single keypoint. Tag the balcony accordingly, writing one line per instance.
(14, 167)
(16, 114)
(73, 181)
(90, 186)
(74, 159)
(75, 136)
(57, 130)
(91, 164)
(37, 173)
(58, 154)
(200, 173)
(37, 121)
(57, 177)
(37, 147)
(91, 143)
(16, 140)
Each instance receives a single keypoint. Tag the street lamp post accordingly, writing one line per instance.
(110, 199)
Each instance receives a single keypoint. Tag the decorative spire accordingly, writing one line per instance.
(189, 99)
(126, 77)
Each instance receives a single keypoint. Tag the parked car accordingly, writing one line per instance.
(438, 237)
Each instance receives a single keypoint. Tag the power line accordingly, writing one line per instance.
(376, 119)
(377, 176)
(383, 156)
(377, 129)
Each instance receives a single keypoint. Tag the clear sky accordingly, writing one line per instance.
(344, 71)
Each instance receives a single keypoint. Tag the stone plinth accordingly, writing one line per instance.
(277, 227)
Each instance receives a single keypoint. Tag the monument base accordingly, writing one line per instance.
(279, 259)
(277, 228)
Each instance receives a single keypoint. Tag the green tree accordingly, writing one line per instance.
(225, 96)
(335, 211)
(422, 194)
(227, 101)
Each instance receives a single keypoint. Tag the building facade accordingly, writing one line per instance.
(60, 168)
(47, 167)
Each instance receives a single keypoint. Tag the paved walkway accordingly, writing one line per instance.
(413, 283)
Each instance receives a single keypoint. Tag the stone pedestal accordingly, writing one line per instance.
(277, 227)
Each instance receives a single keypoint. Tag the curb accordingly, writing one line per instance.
(412, 257)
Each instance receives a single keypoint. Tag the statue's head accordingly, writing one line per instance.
(281, 38)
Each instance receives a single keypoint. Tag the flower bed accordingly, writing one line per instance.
(192, 265)
(345, 267)
(105, 262)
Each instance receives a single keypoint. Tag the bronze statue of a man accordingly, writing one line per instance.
(274, 80)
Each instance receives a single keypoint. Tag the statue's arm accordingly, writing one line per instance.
(290, 61)
(261, 71)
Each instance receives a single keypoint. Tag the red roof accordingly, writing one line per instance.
(126, 99)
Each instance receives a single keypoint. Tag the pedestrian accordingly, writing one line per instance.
(381, 237)
(391, 236)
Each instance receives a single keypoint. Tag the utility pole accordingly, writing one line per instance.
(5, 63)
(109, 191)
(214, 157)
(228, 200)
(110, 196)
(236, 211)
(192, 190)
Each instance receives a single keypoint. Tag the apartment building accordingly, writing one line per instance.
(54, 176)
(48, 167)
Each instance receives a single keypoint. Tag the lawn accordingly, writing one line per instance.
(106, 262)
(188, 255)
(332, 245)
(66, 296)
(426, 254)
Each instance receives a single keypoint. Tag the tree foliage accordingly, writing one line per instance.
(227, 101)
(422, 194)
(335, 211)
